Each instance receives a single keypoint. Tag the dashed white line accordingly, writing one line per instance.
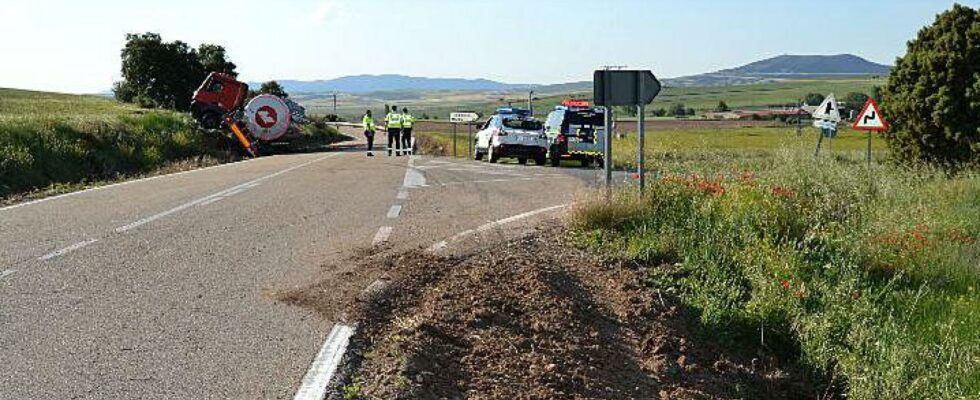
(209, 198)
(314, 385)
(7, 273)
(395, 211)
(67, 250)
(483, 228)
(402, 194)
(381, 236)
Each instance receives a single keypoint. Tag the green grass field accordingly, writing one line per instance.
(702, 99)
(52, 143)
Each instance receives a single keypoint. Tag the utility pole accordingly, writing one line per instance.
(335, 104)
(530, 102)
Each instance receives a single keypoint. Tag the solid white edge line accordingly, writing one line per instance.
(233, 189)
(66, 250)
(482, 228)
(7, 273)
(314, 384)
(395, 211)
(112, 185)
(381, 236)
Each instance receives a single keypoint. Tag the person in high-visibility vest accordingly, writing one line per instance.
(369, 130)
(408, 122)
(393, 122)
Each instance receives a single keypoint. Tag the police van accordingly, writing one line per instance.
(576, 131)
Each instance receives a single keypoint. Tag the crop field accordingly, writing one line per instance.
(702, 99)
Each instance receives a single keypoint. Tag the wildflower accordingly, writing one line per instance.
(785, 285)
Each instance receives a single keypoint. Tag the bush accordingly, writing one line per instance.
(932, 98)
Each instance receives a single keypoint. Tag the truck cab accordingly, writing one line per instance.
(219, 95)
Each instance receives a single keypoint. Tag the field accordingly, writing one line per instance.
(702, 99)
(52, 143)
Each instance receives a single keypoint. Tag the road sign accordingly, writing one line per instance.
(268, 117)
(828, 110)
(870, 118)
(463, 117)
(624, 88)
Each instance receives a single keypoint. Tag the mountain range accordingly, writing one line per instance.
(782, 67)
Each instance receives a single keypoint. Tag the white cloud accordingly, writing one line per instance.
(11, 13)
(325, 9)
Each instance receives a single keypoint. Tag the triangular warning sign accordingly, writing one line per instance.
(870, 118)
(828, 110)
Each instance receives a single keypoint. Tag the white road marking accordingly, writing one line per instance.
(7, 273)
(414, 178)
(67, 250)
(381, 236)
(483, 228)
(226, 192)
(92, 189)
(483, 181)
(314, 385)
(395, 211)
(402, 194)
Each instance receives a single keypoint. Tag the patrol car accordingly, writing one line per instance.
(512, 133)
(576, 131)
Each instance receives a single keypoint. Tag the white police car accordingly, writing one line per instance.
(512, 133)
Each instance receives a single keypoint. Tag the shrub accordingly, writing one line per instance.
(932, 98)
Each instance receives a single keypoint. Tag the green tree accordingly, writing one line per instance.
(722, 107)
(660, 112)
(932, 98)
(813, 99)
(677, 110)
(855, 100)
(691, 112)
(273, 88)
(165, 74)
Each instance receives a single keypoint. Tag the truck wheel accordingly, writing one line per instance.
(492, 155)
(586, 162)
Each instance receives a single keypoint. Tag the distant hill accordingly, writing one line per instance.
(787, 67)
(390, 83)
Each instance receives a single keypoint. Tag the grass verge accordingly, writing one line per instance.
(867, 273)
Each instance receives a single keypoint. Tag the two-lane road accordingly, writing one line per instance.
(161, 288)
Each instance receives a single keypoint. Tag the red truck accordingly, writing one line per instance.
(219, 95)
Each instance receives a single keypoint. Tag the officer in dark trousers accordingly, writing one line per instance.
(368, 122)
(408, 122)
(393, 122)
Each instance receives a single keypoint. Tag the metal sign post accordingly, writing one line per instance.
(607, 150)
(455, 125)
(469, 138)
(625, 88)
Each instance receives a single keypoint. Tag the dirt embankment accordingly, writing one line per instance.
(537, 318)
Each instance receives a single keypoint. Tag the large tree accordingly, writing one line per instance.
(932, 98)
(164, 74)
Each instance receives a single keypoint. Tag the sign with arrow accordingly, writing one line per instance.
(624, 88)
(463, 117)
(828, 110)
(870, 118)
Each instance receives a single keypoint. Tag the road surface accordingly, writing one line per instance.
(164, 288)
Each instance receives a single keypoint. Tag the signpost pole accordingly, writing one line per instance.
(469, 138)
(640, 159)
(820, 135)
(869, 148)
(454, 140)
(607, 150)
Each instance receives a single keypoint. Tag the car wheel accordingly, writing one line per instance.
(522, 160)
(477, 155)
(540, 160)
(586, 162)
(600, 162)
(492, 155)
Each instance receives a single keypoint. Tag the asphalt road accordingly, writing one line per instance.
(164, 288)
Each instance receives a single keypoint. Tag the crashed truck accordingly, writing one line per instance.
(220, 103)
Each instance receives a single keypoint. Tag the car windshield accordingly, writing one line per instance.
(525, 124)
(586, 117)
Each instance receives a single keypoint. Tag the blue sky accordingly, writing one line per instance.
(73, 46)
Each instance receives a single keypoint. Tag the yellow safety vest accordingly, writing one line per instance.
(368, 122)
(393, 120)
(408, 121)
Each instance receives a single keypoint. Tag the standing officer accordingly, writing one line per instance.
(368, 122)
(393, 121)
(408, 121)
